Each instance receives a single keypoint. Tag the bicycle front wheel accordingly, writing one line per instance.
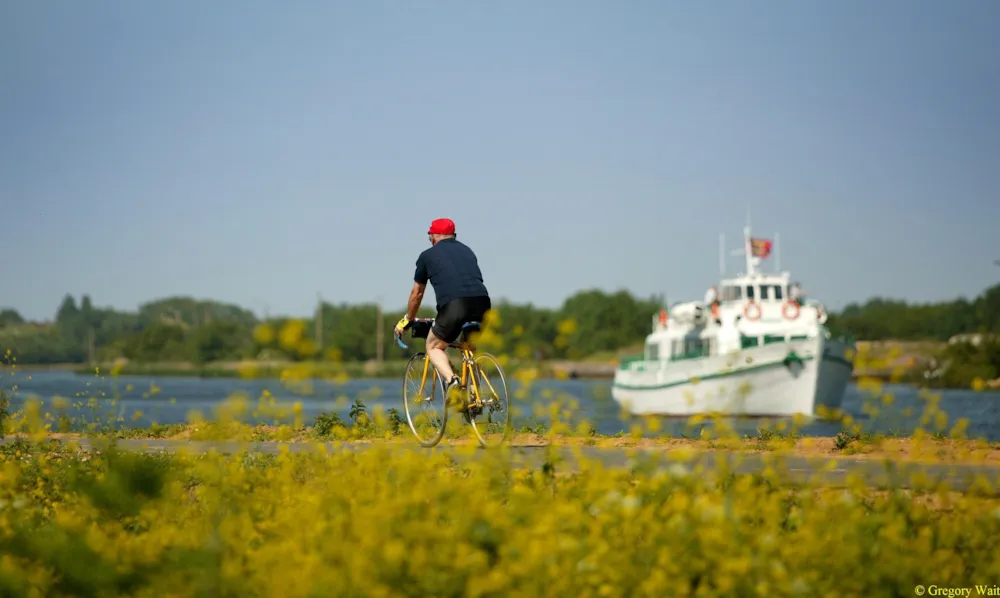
(423, 401)
(490, 415)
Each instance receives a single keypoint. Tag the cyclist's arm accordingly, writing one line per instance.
(416, 297)
(419, 285)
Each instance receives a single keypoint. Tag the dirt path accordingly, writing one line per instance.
(911, 450)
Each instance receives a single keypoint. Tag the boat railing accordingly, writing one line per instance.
(637, 363)
(628, 360)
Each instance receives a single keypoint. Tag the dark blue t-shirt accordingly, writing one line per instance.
(453, 271)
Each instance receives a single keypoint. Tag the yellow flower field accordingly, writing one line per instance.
(416, 523)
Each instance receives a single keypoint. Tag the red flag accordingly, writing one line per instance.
(760, 248)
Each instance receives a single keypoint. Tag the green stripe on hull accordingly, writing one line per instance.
(754, 368)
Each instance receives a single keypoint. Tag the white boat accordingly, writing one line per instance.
(759, 354)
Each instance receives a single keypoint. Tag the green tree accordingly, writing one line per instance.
(220, 340)
(9, 317)
(158, 342)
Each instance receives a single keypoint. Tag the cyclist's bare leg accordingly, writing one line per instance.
(436, 352)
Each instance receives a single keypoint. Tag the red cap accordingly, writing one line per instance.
(442, 226)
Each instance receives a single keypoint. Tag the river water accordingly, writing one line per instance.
(141, 400)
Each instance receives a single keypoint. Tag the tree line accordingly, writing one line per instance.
(182, 329)
(889, 319)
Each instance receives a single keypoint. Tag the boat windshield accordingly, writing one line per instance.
(732, 293)
(771, 292)
(756, 292)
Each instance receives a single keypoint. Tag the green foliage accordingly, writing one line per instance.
(845, 438)
(159, 342)
(327, 423)
(219, 340)
(605, 322)
(359, 414)
(965, 362)
(590, 322)
(396, 421)
(185, 330)
(9, 317)
(129, 480)
(4, 410)
(887, 319)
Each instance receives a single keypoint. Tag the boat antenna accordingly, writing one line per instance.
(747, 246)
(777, 255)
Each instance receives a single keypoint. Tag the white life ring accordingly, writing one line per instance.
(752, 308)
(790, 310)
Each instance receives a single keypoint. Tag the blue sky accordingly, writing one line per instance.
(248, 153)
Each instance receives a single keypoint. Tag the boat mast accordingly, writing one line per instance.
(748, 248)
(777, 256)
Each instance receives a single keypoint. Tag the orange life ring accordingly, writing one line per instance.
(715, 310)
(663, 317)
(792, 307)
(755, 311)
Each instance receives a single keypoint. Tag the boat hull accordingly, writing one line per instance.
(785, 379)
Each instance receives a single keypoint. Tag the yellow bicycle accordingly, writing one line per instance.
(485, 409)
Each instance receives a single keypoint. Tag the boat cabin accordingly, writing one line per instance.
(769, 288)
(754, 310)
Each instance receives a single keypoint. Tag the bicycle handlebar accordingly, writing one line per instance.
(400, 342)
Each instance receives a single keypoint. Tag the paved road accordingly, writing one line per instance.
(796, 470)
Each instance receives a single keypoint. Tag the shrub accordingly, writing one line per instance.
(4, 411)
(381, 523)
(326, 423)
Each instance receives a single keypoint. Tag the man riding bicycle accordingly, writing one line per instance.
(453, 270)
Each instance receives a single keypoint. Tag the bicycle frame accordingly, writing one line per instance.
(468, 353)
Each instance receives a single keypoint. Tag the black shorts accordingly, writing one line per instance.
(456, 313)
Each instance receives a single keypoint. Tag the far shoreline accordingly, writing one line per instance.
(555, 370)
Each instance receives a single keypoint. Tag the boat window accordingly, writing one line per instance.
(653, 351)
(691, 348)
(731, 293)
(750, 294)
(777, 292)
(764, 291)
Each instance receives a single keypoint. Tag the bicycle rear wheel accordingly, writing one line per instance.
(491, 421)
(424, 403)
